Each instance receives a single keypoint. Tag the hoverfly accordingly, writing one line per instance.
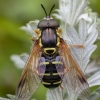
(51, 63)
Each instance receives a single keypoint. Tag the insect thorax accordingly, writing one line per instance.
(48, 37)
(49, 41)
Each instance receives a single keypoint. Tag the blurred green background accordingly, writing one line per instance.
(13, 15)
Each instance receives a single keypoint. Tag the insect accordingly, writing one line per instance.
(51, 63)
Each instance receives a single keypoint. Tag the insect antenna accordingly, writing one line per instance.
(44, 9)
(51, 9)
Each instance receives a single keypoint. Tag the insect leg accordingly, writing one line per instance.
(59, 31)
(61, 87)
(32, 39)
(76, 45)
(37, 31)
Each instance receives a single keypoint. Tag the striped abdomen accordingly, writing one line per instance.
(51, 71)
(51, 78)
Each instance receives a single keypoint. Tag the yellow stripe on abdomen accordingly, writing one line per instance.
(57, 82)
(46, 83)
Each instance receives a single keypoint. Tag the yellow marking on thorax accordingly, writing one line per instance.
(45, 50)
(58, 41)
(57, 82)
(40, 43)
(46, 83)
(59, 31)
(38, 32)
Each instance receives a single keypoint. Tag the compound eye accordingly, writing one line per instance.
(53, 23)
(42, 24)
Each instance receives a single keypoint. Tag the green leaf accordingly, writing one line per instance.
(4, 98)
(12, 97)
(95, 94)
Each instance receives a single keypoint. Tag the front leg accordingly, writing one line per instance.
(76, 45)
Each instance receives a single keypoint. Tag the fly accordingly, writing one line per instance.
(50, 63)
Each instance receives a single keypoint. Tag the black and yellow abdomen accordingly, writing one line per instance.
(51, 78)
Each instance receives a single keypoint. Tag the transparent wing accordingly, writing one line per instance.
(41, 64)
(41, 67)
(60, 66)
(74, 79)
(24, 57)
(29, 81)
